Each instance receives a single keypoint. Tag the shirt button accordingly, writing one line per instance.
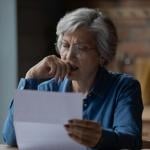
(85, 105)
(90, 94)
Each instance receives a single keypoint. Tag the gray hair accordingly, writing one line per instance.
(99, 24)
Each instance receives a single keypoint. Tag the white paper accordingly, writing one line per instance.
(39, 119)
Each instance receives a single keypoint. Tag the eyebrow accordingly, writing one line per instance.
(78, 42)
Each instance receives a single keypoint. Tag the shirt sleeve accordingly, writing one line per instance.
(8, 132)
(127, 125)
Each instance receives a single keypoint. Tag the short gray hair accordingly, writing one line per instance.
(98, 23)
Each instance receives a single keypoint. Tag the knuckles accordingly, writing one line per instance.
(49, 58)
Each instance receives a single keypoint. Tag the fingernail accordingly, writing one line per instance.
(70, 134)
(66, 125)
(70, 121)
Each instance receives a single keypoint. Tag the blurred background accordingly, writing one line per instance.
(27, 34)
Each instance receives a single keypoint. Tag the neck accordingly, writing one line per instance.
(83, 86)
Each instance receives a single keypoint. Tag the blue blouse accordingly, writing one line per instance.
(114, 102)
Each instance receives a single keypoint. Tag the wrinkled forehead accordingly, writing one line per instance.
(80, 35)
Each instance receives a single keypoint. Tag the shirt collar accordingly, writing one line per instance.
(100, 85)
(65, 85)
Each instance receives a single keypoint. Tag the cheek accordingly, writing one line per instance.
(95, 59)
(89, 66)
(91, 60)
(63, 56)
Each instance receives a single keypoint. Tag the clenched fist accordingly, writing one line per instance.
(50, 66)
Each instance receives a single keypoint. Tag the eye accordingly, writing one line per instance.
(82, 47)
(65, 45)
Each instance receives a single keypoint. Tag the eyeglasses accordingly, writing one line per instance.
(77, 48)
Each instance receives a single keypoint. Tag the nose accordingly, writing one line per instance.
(71, 53)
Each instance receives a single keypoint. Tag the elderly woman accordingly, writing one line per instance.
(112, 107)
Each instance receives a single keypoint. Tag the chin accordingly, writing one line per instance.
(72, 76)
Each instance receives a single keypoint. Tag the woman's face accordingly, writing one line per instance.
(79, 50)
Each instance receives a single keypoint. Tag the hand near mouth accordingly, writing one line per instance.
(73, 67)
(50, 67)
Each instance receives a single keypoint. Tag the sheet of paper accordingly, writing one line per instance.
(39, 119)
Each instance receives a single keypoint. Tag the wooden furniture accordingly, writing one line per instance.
(146, 127)
(145, 136)
(5, 147)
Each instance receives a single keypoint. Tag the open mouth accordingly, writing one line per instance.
(73, 68)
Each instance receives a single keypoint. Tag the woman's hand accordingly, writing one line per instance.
(84, 132)
(50, 66)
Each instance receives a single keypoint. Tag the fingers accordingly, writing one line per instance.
(84, 123)
(50, 66)
(58, 68)
(61, 70)
(89, 142)
(52, 69)
(84, 132)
